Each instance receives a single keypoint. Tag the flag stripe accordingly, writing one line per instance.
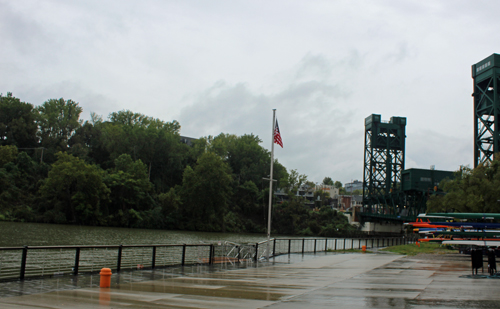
(277, 135)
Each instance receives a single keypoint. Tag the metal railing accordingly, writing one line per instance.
(39, 261)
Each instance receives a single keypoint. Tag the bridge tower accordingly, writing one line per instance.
(383, 165)
(486, 76)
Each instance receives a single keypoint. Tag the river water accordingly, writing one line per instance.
(13, 234)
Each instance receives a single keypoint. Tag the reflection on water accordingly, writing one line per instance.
(39, 234)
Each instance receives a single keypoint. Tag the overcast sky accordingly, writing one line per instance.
(222, 66)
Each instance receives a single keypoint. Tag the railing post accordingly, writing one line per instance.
(183, 254)
(315, 246)
(119, 262)
(359, 243)
(256, 251)
(212, 252)
(344, 243)
(153, 258)
(377, 243)
(372, 243)
(352, 243)
(23, 262)
(335, 248)
(303, 243)
(326, 244)
(77, 261)
(239, 253)
(274, 247)
(289, 246)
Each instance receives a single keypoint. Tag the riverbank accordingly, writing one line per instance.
(326, 280)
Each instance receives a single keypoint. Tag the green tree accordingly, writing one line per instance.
(357, 192)
(87, 143)
(292, 182)
(170, 203)
(321, 198)
(129, 192)
(328, 181)
(206, 192)
(73, 192)
(156, 143)
(471, 190)
(57, 120)
(7, 154)
(17, 122)
(338, 184)
(20, 180)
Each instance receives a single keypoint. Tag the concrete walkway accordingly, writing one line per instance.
(324, 281)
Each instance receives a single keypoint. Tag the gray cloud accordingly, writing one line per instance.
(222, 66)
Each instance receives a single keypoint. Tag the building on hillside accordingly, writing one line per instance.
(304, 191)
(308, 194)
(346, 202)
(355, 185)
(331, 190)
(187, 140)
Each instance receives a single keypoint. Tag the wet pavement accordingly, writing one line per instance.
(352, 280)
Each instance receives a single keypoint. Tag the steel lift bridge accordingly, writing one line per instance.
(486, 76)
(391, 193)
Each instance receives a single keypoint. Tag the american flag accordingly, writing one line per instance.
(277, 135)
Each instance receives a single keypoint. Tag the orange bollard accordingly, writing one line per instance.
(363, 248)
(105, 278)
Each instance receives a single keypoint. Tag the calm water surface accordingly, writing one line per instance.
(39, 234)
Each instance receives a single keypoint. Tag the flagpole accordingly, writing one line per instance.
(270, 187)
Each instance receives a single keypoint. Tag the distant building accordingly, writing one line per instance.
(331, 190)
(355, 185)
(304, 191)
(187, 140)
(308, 194)
(347, 202)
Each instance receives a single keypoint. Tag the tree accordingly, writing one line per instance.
(357, 192)
(471, 190)
(87, 143)
(338, 184)
(292, 182)
(7, 154)
(131, 119)
(206, 191)
(20, 179)
(328, 181)
(17, 122)
(73, 192)
(321, 197)
(129, 192)
(156, 143)
(57, 120)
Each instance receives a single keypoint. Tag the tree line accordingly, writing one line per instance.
(132, 170)
(471, 190)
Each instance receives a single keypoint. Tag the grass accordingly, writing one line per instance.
(425, 247)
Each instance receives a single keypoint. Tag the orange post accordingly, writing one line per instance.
(105, 278)
(363, 248)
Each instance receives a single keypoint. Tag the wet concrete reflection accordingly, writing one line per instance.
(296, 281)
